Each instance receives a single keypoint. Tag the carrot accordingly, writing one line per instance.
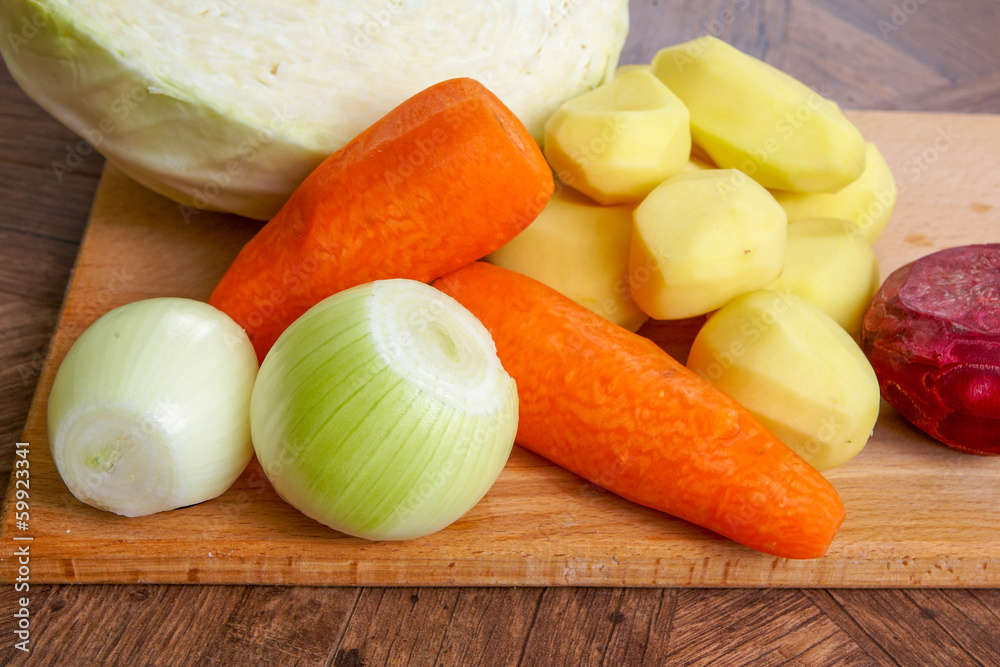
(614, 408)
(443, 179)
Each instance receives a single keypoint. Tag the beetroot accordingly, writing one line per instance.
(932, 334)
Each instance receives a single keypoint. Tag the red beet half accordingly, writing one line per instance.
(932, 334)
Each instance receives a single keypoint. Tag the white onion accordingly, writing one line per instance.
(149, 410)
(383, 412)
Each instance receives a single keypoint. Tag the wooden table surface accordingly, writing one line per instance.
(877, 54)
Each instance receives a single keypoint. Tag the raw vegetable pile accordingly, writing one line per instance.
(706, 183)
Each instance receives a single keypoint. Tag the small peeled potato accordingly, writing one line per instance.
(867, 202)
(580, 249)
(750, 116)
(619, 141)
(831, 265)
(795, 369)
(702, 238)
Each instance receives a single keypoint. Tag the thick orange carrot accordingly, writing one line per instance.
(615, 409)
(445, 178)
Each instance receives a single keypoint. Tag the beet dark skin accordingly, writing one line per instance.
(932, 334)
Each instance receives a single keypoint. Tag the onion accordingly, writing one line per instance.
(383, 412)
(149, 410)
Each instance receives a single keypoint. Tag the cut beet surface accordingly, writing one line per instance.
(932, 334)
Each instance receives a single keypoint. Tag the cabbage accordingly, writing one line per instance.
(229, 104)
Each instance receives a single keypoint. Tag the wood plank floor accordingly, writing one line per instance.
(884, 54)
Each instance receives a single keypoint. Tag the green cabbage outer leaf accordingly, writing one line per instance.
(229, 104)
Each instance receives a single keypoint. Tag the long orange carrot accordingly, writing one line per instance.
(615, 409)
(445, 178)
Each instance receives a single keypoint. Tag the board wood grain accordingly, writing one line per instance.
(918, 514)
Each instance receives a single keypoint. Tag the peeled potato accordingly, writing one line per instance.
(831, 265)
(750, 116)
(795, 369)
(619, 141)
(580, 249)
(867, 202)
(702, 238)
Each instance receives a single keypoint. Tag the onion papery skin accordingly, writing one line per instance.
(383, 412)
(149, 410)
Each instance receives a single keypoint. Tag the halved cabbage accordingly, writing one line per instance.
(229, 104)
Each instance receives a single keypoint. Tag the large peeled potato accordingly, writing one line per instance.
(580, 249)
(619, 141)
(750, 116)
(795, 369)
(702, 238)
(831, 265)
(867, 202)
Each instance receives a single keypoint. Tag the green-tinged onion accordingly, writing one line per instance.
(149, 410)
(383, 412)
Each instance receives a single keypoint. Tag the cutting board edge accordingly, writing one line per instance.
(895, 572)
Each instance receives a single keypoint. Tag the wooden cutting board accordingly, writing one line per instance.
(918, 514)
